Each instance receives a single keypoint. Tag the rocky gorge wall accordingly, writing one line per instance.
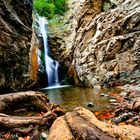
(106, 46)
(15, 44)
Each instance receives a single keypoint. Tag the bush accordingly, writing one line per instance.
(49, 8)
(44, 9)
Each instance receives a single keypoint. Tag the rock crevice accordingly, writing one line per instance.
(15, 43)
(106, 44)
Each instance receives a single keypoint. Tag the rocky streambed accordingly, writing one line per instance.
(113, 114)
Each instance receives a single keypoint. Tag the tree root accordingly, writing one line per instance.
(81, 124)
(27, 101)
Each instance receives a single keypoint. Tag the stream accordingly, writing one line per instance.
(72, 97)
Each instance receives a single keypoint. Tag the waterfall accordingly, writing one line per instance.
(51, 66)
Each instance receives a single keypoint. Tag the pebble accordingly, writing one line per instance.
(90, 104)
(124, 93)
(136, 118)
(104, 94)
(112, 100)
(20, 138)
(115, 104)
(44, 135)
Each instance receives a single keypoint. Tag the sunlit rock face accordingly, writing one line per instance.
(15, 43)
(107, 43)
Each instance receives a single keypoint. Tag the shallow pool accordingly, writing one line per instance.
(72, 97)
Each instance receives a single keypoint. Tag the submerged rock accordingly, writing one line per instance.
(90, 104)
(112, 100)
(104, 94)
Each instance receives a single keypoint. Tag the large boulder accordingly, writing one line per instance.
(106, 47)
(15, 43)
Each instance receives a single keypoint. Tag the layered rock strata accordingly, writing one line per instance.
(15, 43)
(106, 47)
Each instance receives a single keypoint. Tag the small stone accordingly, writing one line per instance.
(130, 113)
(104, 94)
(90, 104)
(20, 138)
(44, 135)
(136, 118)
(112, 100)
(115, 104)
(16, 136)
(124, 93)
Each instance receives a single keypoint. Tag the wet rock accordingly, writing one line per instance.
(90, 104)
(123, 117)
(44, 136)
(16, 136)
(124, 93)
(136, 118)
(104, 94)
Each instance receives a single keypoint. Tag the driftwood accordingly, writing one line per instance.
(16, 122)
(81, 124)
(10, 104)
(14, 101)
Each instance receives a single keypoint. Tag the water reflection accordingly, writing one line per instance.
(72, 97)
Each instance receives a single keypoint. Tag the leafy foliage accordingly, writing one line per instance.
(49, 8)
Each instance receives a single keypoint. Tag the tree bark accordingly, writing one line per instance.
(13, 101)
(27, 101)
(16, 122)
(81, 124)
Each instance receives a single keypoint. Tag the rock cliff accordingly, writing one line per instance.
(15, 43)
(106, 46)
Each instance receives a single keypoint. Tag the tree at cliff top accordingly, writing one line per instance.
(50, 8)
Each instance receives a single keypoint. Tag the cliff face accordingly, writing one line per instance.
(106, 47)
(15, 42)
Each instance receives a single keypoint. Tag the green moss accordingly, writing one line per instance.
(108, 5)
(57, 25)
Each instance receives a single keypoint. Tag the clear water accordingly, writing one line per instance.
(51, 66)
(72, 97)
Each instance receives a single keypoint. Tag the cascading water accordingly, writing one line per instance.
(51, 66)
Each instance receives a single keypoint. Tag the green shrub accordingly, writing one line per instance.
(44, 9)
(49, 8)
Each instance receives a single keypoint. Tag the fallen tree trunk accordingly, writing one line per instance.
(16, 122)
(81, 124)
(25, 102)
(14, 101)
(83, 129)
